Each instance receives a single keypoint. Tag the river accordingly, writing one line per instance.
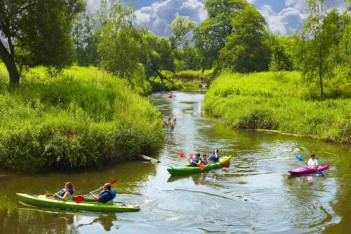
(255, 194)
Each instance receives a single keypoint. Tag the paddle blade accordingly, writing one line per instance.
(299, 157)
(182, 155)
(114, 181)
(78, 199)
(191, 157)
(225, 165)
(202, 166)
(320, 173)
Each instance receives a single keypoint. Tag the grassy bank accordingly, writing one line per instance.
(279, 102)
(83, 118)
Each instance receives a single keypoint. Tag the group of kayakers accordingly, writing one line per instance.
(107, 194)
(214, 158)
(197, 159)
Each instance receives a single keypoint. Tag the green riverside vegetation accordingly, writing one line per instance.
(82, 118)
(278, 101)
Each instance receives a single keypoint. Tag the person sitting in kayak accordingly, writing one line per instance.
(204, 159)
(196, 160)
(67, 192)
(312, 162)
(214, 157)
(105, 196)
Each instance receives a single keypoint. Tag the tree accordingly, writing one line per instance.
(120, 45)
(247, 47)
(181, 26)
(38, 31)
(211, 34)
(319, 38)
(158, 56)
(83, 31)
(282, 54)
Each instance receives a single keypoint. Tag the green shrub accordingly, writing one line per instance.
(83, 118)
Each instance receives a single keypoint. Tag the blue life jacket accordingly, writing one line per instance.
(195, 161)
(65, 191)
(213, 158)
(107, 195)
(113, 193)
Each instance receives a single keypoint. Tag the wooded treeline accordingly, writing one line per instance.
(235, 37)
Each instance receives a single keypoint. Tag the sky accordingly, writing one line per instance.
(284, 17)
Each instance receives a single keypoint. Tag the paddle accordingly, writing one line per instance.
(80, 198)
(201, 165)
(300, 158)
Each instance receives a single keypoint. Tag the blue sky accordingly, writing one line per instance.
(283, 16)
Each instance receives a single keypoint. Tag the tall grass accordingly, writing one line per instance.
(82, 118)
(278, 102)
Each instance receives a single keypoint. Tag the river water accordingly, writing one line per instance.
(254, 195)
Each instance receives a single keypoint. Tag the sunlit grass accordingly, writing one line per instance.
(278, 102)
(83, 117)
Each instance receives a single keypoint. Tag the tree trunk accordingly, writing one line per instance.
(10, 65)
(321, 78)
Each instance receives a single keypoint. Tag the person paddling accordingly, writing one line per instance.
(312, 162)
(204, 159)
(214, 157)
(107, 195)
(67, 192)
(196, 160)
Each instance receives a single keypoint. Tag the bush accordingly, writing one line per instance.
(83, 118)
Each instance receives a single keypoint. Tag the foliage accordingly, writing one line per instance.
(181, 26)
(82, 118)
(246, 48)
(31, 28)
(84, 28)
(159, 59)
(318, 43)
(282, 58)
(210, 35)
(264, 100)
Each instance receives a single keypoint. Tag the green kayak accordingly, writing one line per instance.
(89, 205)
(190, 169)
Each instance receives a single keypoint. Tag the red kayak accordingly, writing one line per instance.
(306, 170)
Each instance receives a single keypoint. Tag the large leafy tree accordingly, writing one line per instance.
(120, 43)
(210, 35)
(247, 47)
(181, 26)
(318, 41)
(36, 32)
(185, 55)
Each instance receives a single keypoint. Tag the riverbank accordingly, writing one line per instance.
(82, 118)
(280, 102)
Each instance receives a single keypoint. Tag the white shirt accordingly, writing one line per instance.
(312, 163)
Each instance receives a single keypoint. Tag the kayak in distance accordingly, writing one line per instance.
(87, 204)
(224, 161)
(306, 170)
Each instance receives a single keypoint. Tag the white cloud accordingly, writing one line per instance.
(297, 4)
(93, 5)
(287, 21)
(157, 16)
